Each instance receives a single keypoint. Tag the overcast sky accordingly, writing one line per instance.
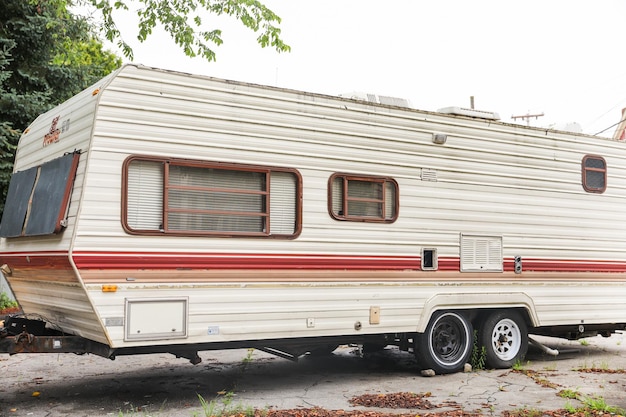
(563, 58)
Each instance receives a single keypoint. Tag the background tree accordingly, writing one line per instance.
(46, 56)
(183, 20)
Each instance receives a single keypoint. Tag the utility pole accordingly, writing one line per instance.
(527, 117)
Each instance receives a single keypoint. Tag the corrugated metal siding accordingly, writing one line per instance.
(492, 178)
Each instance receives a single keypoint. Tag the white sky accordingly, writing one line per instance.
(563, 58)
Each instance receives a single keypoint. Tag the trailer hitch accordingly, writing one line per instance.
(28, 343)
(24, 338)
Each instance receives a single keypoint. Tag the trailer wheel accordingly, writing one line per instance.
(446, 344)
(505, 337)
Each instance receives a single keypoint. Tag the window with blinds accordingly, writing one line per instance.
(189, 197)
(363, 198)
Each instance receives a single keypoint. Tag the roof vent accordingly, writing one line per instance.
(373, 98)
(462, 111)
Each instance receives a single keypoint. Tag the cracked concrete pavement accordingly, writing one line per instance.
(161, 385)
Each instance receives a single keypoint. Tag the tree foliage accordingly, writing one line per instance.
(46, 56)
(182, 19)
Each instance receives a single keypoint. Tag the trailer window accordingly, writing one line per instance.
(188, 197)
(38, 198)
(594, 174)
(363, 198)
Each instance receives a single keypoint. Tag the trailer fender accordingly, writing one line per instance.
(474, 302)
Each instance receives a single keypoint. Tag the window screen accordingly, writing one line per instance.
(188, 197)
(38, 198)
(363, 198)
(594, 174)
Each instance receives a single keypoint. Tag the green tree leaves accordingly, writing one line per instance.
(183, 21)
(46, 56)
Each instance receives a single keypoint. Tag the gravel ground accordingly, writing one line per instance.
(344, 384)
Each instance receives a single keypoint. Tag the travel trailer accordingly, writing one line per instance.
(165, 212)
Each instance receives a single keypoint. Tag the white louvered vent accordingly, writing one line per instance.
(429, 175)
(481, 253)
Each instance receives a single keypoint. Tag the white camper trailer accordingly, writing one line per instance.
(165, 212)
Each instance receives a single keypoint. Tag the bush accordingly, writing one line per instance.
(7, 303)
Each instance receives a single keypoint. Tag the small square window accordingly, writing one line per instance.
(594, 173)
(363, 198)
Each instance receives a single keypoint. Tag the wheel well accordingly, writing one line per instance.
(477, 316)
(475, 305)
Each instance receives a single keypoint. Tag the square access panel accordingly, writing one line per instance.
(156, 318)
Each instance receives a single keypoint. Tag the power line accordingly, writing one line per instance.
(613, 125)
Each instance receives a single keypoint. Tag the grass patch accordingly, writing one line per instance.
(519, 366)
(223, 406)
(598, 404)
(569, 393)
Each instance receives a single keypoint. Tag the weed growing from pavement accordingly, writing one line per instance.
(569, 393)
(248, 357)
(570, 408)
(603, 368)
(584, 342)
(519, 365)
(582, 367)
(247, 360)
(223, 406)
(479, 354)
(599, 404)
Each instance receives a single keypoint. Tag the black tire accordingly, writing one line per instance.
(446, 345)
(504, 335)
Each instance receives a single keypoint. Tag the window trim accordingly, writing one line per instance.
(267, 170)
(585, 169)
(368, 178)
